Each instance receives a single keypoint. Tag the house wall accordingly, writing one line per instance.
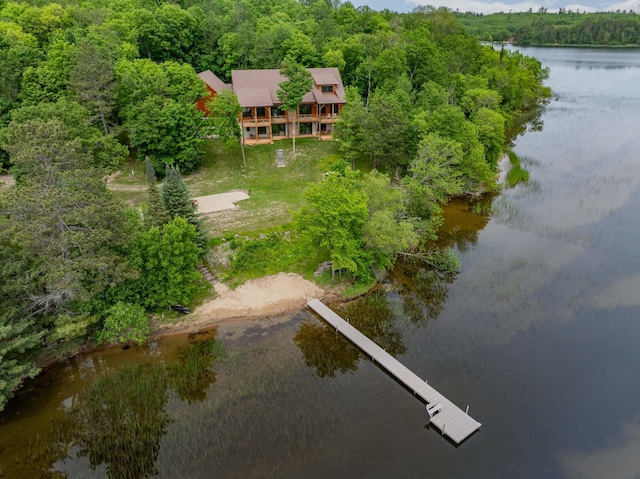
(201, 104)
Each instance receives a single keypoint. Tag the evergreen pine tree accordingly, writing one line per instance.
(156, 212)
(177, 202)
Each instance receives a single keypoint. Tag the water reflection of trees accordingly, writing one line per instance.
(122, 416)
(122, 420)
(423, 292)
(530, 121)
(327, 351)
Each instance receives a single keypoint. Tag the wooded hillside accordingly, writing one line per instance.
(84, 85)
(564, 28)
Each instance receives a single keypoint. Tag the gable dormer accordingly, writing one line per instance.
(326, 89)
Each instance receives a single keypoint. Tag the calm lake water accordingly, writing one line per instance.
(539, 333)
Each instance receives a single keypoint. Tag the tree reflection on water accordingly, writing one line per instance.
(422, 292)
(121, 417)
(328, 351)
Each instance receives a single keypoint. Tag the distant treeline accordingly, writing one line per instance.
(564, 28)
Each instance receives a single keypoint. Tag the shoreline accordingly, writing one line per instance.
(257, 299)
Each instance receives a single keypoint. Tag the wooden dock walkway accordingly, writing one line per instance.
(451, 420)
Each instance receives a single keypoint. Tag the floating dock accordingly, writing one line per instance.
(450, 419)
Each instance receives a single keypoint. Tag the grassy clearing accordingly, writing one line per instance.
(256, 237)
(273, 191)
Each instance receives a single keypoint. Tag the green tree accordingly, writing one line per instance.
(224, 109)
(125, 322)
(332, 220)
(93, 79)
(155, 214)
(18, 51)
(385, 130)
(177, 202)
(20, 335)
(166, 261)
(350, 132)
(169, 132)
(47, 81)
(158, 108)
(100, 150)
(387, 230)
(449, 122)
(19, 340)
(490, 133)
(433, 176)
(291, 92)
(66, 221)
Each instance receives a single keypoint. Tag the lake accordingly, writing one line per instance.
(539, 333)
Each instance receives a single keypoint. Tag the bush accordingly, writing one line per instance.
(125, 322)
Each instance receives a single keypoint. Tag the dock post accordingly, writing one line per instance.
(443, 426)
(467, 411)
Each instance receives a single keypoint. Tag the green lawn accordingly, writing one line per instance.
(274, 192)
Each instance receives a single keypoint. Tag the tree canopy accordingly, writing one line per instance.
(86, 85)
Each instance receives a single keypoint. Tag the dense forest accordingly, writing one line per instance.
(563, 28)
(84, 86)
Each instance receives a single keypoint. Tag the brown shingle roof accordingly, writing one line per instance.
(260, 87)
(213, 81)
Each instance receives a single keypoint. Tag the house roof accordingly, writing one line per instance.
(213, 82)
(260, 87)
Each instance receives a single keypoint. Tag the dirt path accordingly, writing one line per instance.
(6, 181)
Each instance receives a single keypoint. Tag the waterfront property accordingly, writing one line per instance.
(446, 416)
(262, 118)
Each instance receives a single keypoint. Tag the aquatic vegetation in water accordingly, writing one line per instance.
(516, 173)
(122, 417)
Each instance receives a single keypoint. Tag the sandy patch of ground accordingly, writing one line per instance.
(239, 218)
(220, 201)
(7, 181)
(258, 298)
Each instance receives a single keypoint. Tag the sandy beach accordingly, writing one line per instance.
(256, 299)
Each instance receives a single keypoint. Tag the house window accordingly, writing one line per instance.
(278, 129)
(262, 131)
(305, 109)
(335, 108)
(247, 112)
(326, 128)
(322, 109)
(305, 128)
(277, 111)
(261, 112)
(327, 88)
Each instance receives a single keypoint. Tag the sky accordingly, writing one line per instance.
(493, 6)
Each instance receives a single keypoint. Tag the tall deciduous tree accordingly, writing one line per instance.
(167, 262)
(333, 219)
(385, 130)
(158, 107)
(224, 109)
(291, 92)
(433, 176)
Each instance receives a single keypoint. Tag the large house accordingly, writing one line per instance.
(263, 120)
